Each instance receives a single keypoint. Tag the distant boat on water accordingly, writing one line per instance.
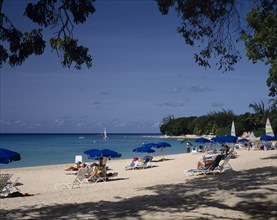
(268, 128)
(105, 134)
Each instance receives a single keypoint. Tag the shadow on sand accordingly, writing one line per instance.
(175, 198)
(162, 160)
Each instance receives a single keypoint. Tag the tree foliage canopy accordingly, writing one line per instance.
(261, 42)
(210, 22)
(57, 15)
(219, 26)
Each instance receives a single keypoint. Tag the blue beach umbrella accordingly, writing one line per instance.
(7, 156)
(93, 154)
(143, 149)
(225, 139)
(267, 138)
(149, 145)
(202, 140)
(110, 153)
(96, 153)
(162, 145)
(243, 140)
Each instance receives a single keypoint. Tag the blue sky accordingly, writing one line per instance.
(142, 71)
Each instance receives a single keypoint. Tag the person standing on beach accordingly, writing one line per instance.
(189, 145)
(249, 145)
(211, 146)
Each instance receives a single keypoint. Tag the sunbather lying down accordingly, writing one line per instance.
(75, 167)
(163, 159)
(19, 194)
(205, 163)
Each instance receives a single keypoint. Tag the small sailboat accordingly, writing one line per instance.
(105, 134)
(268, 128)
(233, 130)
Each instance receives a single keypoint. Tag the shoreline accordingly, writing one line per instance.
(193, 136)
(160, 192)
(164, 137)
(188, 136)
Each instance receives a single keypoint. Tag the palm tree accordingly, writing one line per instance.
(259, 108)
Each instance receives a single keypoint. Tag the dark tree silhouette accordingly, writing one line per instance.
(17, 45)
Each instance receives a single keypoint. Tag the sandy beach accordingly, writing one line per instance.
(249, 191)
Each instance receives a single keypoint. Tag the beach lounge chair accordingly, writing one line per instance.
(96, 174)
(205, 170)
(194, 172)
(103, 164)
(215, 167)
(78, 158)
(146, 163)
(215, 164)
(226, 165)
(80, 178)
(133, 164)
(71, 172)
(101, 175)
(12, 184)
(103, 161)
(4, 181)
(6, 185)
(106, 177)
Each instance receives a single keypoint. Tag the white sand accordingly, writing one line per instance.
(161, 192)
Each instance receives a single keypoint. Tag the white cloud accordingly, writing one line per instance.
(173, 104)
(199, 88)
(81, 124)
(99, 124)
(175, 90)
(59, 122)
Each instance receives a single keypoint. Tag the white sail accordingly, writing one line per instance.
(105, 134)
(268, 128)
(233, 131)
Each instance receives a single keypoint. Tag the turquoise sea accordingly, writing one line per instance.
(50, 149)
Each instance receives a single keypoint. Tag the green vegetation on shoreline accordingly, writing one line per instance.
(219, 123)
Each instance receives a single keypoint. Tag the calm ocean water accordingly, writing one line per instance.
(50, 149)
